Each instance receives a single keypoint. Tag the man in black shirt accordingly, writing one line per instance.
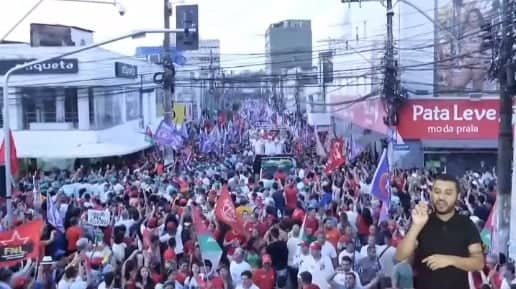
(446, 245)
(278, 250)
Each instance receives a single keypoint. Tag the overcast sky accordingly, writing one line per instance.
(239, 24)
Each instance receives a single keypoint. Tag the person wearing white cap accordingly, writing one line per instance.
(238, 265)
(319, 265)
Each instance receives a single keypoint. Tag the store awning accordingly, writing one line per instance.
(83, 151)
(460, 144)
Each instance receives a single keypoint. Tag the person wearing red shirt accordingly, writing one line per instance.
(332, 234)
(182, 273)
(280, 175)
(73, 234)
(233, 240)
(311, 220)
(291, 195)
(264, 277)
(306, 281)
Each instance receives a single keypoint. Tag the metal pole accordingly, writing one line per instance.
(92, 1)
(33, 8)
(504, 162)
(168, 65)
(5, 92)
(436, 50)
(21, 20)
(212, 84)
(7, 153)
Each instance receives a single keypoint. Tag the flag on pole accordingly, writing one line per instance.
(320, 140)
(21, 243)
(381, 180)
(210, 249)
(225, 212)
(302, 235)
(53, 216)
(384, 212)
(13, 156)
(336, 157)
(487, 232)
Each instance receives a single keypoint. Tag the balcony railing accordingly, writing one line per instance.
(37, 121)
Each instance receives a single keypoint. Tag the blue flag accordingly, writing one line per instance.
(53, 216)
(380, 187)
(167, 135)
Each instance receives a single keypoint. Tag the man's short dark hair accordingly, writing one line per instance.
(5, 275)
(347, 259)
(306, 277)
(448, 178)
(247, 274)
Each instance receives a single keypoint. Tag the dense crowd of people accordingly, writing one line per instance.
(307, 229)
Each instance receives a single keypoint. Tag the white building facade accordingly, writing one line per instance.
(90, 105)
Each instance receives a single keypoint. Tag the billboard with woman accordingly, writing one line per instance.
(464, 55)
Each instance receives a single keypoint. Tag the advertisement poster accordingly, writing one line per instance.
(464, 55)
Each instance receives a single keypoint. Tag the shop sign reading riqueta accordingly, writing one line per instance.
(57, 66)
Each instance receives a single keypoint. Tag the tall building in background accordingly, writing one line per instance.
(288, 44)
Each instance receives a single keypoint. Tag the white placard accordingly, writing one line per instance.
(99, 218)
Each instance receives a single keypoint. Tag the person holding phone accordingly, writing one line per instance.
(445, 244)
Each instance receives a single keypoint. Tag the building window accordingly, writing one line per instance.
(71, 106)
(38, 105)
(132, 104)
(108, 111)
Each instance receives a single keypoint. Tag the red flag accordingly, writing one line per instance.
(335, 157)
(198, 222)
(225, 212)
(14, 158)
(20, 244)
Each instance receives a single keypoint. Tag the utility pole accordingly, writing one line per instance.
(212, 82)
(296, 95)
(393, 98)
(504, 162)
(168, 65)
(391, 87)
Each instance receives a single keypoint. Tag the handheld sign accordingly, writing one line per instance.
(99, 218)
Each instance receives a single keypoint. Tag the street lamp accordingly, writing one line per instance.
(121, 11)
(118, 5)
(7, 128)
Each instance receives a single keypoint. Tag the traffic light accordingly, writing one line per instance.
(187, 19)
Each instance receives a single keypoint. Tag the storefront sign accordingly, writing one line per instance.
(368, 114)
(125, 70)
(57, 66)
(449, 119)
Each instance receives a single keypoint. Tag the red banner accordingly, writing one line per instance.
(336, 156)
(20, 244)
(225, 212)
(449, 119)
(366, 114)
